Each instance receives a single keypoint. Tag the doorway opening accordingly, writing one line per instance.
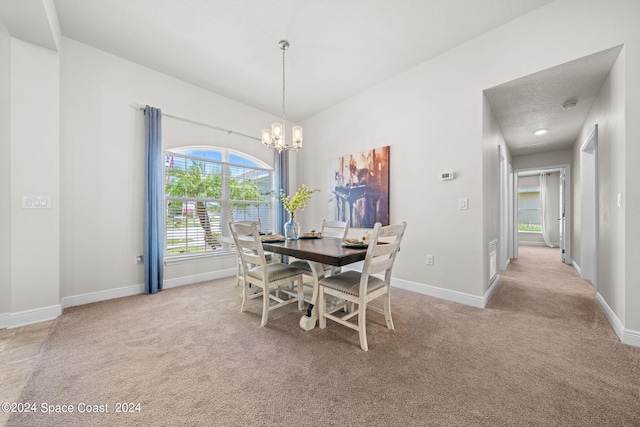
(541, 209)
(589, 207)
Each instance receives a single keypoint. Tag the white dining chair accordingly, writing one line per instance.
(271, 277)
(268, 255)
(363, 287)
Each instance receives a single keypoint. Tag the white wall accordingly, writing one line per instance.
(102, 153)
(5, 174)
(401, 113)
(608, 112)
(35, 171)
(432, 118)
(552, 158)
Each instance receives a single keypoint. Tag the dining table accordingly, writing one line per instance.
(318, 252)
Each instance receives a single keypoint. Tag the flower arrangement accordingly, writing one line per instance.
(298, 201)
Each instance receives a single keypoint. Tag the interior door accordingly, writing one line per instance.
(562, 220)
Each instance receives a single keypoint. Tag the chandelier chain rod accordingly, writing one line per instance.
(283, 88)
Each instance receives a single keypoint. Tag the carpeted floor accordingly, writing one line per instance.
(541, 353)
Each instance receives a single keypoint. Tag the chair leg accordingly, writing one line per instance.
(245, 291)
(351, 306)
(265, 305)
(238, 272)
(362, 325)
(321, 307)
(387, 310)
(300, 293)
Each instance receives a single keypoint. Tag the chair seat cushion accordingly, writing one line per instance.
(304, 265)
(349, 282)
(275, 271)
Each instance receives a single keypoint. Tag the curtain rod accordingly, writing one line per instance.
(228, 131)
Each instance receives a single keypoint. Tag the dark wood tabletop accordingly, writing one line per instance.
(327, 250)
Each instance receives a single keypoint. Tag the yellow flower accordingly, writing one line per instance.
(299, 201)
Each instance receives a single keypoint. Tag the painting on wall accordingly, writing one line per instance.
(359, 188)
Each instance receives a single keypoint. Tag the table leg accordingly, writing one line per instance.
(308, 321)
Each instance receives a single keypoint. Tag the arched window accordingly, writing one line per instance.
(205, 188)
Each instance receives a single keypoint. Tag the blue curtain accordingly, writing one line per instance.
(153, 201)
(281, 162)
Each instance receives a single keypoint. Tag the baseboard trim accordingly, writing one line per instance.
(91, 297)
(446, 294)
(128, 291)
(616, 324)
(4, 320)
(626, 336)
(27, 317)
(36, 315)
(631, 337)
(492, 287)
(576, 267)
(197, 278)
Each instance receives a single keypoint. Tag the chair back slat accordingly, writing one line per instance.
(248, 223)
(377, 267)
(250, 258)
(334, 229)
(382, 248)
(248, 244)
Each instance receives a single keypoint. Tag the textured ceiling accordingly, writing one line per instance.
(338, 47)
(534, 102)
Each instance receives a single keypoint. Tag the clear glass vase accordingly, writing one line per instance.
(291, 229)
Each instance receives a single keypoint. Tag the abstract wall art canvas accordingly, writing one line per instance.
(359, 188)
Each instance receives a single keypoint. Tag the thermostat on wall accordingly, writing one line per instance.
(446, 176)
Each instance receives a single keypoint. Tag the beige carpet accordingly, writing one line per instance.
(541, 353)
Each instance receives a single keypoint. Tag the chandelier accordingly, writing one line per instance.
(275, 138)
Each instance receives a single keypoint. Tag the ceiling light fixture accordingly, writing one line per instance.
(275, 138)
(569, 105)
(540, 131)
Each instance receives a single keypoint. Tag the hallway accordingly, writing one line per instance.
(539, 283)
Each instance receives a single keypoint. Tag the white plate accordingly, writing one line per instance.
(354, 245)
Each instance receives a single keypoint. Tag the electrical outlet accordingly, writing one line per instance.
(139, 259)
(429, 260)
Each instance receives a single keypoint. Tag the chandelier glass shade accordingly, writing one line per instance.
(276, 136)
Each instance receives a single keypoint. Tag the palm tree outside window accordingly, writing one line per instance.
(207, 188)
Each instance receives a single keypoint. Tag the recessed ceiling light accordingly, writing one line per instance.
(540, 131)
(569, 105)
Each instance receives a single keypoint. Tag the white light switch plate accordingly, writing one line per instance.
(36, 202)
(463, 203)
